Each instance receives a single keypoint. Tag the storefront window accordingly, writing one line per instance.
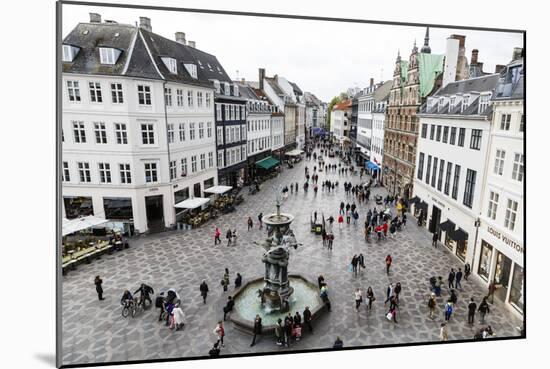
(209, 183)
(461, 249)
(449, 242)
(181, 195)
(78, 207)
(502, 270)
(485, 260)
(516, 293)
(118, 207)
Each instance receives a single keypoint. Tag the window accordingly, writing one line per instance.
(151, 172)
(461, 134)
(227, 135)
(183, 167)
(209, 129)
(440, 177)
(420, 165)
(469, 188)
(173, 173)
(69, 52)
(243, 152)
(108, 55)
(517, 293)
(438, 134)
(147, 134)
(226, 112)
(170, 133)
(199, 99)
(505, 122)
(171, 64)
(220, 159)
(66, 174)
(208, 99)
(201, 130)
(95, 92)
(144, 95)
(465, 102)
(218, 112)
(226, 90)
(445, 134)
(219, 135)
(517, 171)
(168, 96)
(182, 131)
(428, 169)
(73, 90)
(79, 132)
(100, 133)
(210, 159)
(193, 164)
(125, 173)
(84, 172)
(475, 141)
(116, 93)
(493, 204)
(511, 212)
(434, 172)
(191, 69)
(432, 132)
(522, 123)
(448, 178)
(203, 161)
(104, 172)
(191, 131)
(484, 102)
(453, 136)
(190, 99)
(456, 179)
(499, 162)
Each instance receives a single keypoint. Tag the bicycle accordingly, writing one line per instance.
(130, 307)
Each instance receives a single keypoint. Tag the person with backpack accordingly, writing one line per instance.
(438, 285)
(448, 310)
(483, 310)
(472, 306)
(204, 290)
(431, 305)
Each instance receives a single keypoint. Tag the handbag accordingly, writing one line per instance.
(389, 316)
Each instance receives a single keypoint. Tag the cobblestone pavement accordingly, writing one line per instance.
(94, 331)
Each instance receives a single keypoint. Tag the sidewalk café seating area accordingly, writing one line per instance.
(79, 249)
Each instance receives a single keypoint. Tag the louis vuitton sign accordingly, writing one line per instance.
(509, 242)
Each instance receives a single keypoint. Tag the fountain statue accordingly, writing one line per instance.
(277, 290)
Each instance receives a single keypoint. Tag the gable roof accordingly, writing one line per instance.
(479, 84)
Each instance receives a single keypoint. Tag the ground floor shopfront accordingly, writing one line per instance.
(139, 210)
(499, 258)
(233, 175)
(252, 169)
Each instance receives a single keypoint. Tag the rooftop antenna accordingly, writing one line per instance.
(237, 74)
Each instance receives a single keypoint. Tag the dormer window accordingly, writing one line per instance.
(171, 64)
(200, 64)
(216, 85)
(441, 102)
(191, 69)
(465, 102)
(219, 70)
(484, 102)
(226, 90)
(235, 90)
(69, 52)
(108, 55)
(452, 103)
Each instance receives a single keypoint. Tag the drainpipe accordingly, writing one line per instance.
(172, 196)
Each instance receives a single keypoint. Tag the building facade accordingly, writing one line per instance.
(381, 96)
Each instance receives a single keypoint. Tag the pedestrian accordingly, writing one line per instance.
(397, 291)
(220, 332)
(257, 330)
(99, 289)
(288, 329)
(323, 294)
(355, 215)
(483, 310)
(307, 319)
(354, 262)
(431, 305)
(204, 291)
(458, 278)
(340, 221)
(228, 308)
(228, 236)
(434, 239)
(260, 216)
(358, 299)
(330, 237)
(370, 297)
(443, 333)
(467, 271)
(491, 291)
(388, 263)
(217, 234)
(438, 285)
(279, 332)
(404, 220)
(321, 281)
(451, 278)
(453, 297)
(238, 280)
(214, 351)
(392, 313)
(297, 319)
(338, 344)
(315, 216)
(361, 260)
(472, 306)
(448, 310)
(225, 280)
(250, 224)
(389, 293)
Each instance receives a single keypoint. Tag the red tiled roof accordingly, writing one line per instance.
(343, 105)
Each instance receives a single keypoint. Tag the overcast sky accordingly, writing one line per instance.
(322, 57)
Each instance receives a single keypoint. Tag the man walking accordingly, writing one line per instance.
(467, 271)
(483, 309)
(204, 291)
(257, 329)
(228, 307)
(98, 282)
(307, 319)
(451, 278)
(250, 224)
(431, 305)
(458, 278)
(260, 216)
(491, 289)
(434, 239)
(472, 306)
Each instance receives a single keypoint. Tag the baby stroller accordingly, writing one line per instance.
(379, 200)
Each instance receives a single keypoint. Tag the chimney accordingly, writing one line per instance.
(193, 44)
(95, 18)
(461, 40)
(499, 68)
(518, 53)
(145, 23)
(480, 65)
(243, 80)
(451, 60)
(261, 77)
(371, 83)
(473, 60)
(180, 38)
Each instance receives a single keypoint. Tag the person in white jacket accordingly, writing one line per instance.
(178, 318)
(358, 299)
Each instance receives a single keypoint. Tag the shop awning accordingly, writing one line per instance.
(218, 189)
(414, 200)
(79, 224)
(422, 205)
(267, 163)
(459, 235)
(295, 152)
(447, 226)
(192, 203)
(373, 165)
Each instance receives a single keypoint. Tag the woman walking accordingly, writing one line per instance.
(225, 280)
(370, 297)
(217, 234)
(220, 332)
(389, 260)
(443, 333)
(431, 305)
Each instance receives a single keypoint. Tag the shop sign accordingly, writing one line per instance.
(153, 189)
(511, 243)
(438, 202)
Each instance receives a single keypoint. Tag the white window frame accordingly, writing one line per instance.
(179, 97)
(173, 170)
(500, 156)
(125, 173)
(505, 120)
(100, 133)
(117, 95)
(183, 163)
(210, 159)
(149, 130)
(519, 167)
(511, 214)
(144, 94)
(209, 129)
(208, 99)
(199, 99)
(170, 64)
(168, 96)
(181, 129)
(191, 131)
(73, 91)
(66, 177)
(95, 92)
(493, 205)
(201, 130)
(104, 172)
(151, 172)
(170, 132)
(190, 99)
(79, 132)
(107, 55)
(203, 161)
(194, 164)
(84, 174)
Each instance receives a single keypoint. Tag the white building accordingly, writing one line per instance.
(365, 107)
(381, 97)
(138, 125)
(340, 120)
(452, 146)
(500, 248)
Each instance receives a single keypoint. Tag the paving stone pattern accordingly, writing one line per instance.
(95, 332)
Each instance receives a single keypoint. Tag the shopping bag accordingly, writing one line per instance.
(389, 316)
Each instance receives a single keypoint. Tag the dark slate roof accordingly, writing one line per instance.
(383, 92)
(247, 92)
(296, 89)
(273, 83)
(205, 71)
(479, 84)
(506, 90)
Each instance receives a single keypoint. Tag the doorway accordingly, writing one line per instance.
(435, 220)
(154, 212)
(197, 190)
(502, 275)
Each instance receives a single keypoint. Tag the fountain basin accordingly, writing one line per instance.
(247, 304)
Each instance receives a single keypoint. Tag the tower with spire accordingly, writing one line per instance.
(426, 48)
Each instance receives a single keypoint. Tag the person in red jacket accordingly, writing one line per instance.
(340, 221)
(217, 234)
(385, 229)
(388, 263)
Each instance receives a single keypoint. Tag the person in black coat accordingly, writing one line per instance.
(321, 281)
(307, 319)
(434, 239)
(451, 278)
(204, 291)
(98, 282)
(214, 351)
(472, 306)
(257, 329)
(288, 329)
(144, 291)
(238, 280)
(228, 307)
(338, 344)
(298, 319)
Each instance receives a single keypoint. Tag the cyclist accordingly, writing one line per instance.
(127, 299)
(144, 291)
